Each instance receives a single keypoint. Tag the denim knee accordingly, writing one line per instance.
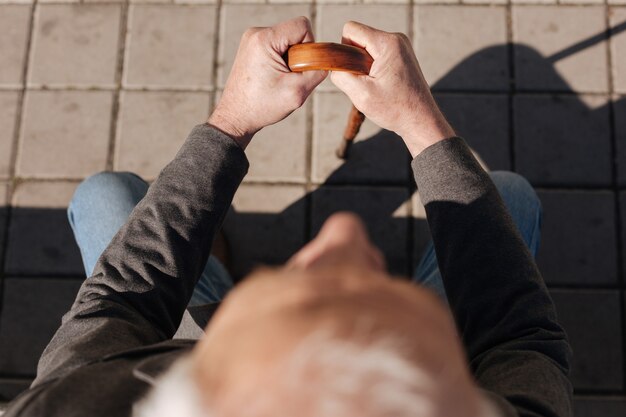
(517, 192)
(105, 185)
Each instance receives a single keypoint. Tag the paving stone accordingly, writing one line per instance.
(563, 140)
(622, 205)
(593, 324)
(278, 152)
(604, 406)
(617, 16)
(73, 141)
(170, 45)
(3, 213)
(153, 126)
(618, 2)
(540, 32)
(383, 209)
(534, 1)
(8, 109)
(32, 313)
(331, 18)
(377, 156)
(75, 44)
(14, 21)
(12, 387)
(578, 238)
(474, 56)
(40, 240)
(237, 18)
(266, 227)
(483, 121)
(619, 107)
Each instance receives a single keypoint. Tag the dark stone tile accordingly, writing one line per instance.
(620, 136)
(262, 230)
(592, 320)
(563, 140)
(383, 210)
(599, 406)
(41, 242)
(12, 387)
(32, 311)
(578, 238)
(622, 204)
(483, 121)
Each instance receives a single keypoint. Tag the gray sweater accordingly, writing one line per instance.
(117, 337)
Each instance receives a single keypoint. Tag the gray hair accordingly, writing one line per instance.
(324, 376)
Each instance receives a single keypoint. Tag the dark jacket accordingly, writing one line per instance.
(117, 337)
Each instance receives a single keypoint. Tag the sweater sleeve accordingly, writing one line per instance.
(517, 350)
(144, 279)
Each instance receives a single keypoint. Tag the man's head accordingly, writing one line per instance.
(331, 333)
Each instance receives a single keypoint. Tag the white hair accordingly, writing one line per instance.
(324, 376)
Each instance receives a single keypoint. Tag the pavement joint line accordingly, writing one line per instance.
(119, 74)
(512, 83)
(615, 171)
(308, 145)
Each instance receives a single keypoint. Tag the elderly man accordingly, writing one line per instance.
(330, 333)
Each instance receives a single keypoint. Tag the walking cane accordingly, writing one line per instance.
(333, 57)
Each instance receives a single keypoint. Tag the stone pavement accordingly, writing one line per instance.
(535, 88)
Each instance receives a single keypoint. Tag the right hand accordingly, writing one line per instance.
(395, 94)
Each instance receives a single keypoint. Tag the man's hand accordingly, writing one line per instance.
(395, 94)
(261, 90)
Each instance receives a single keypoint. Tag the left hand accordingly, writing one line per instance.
(261, 90)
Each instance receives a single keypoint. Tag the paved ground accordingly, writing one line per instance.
(535, 88)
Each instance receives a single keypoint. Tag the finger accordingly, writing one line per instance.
(291, 32)
(348, 83)
(358, 34)
(303, 83)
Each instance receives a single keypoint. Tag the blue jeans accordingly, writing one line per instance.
(100, 207)
(525, 209)
(102, 203)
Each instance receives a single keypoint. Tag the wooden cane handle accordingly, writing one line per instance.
(328, 56)
(333, 57)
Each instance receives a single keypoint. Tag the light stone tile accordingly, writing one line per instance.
(170, 45)
(244, 1)
(436, 1)
(64, 134)
(153, 126)
(236, 18)
(617, 2)
(544, 31)
(581, 1)
(8, 109)
(376, 156)
(488, 2)
(48, 194)
(75, 45)
(14, 21)
(461, 47)
(278, 152)
(618, 50)
(534, 1)
(331, 18)
(266, 225)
